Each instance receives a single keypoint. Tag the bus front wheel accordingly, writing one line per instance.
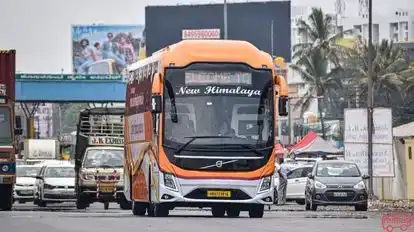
(218, 211)
(256, 211)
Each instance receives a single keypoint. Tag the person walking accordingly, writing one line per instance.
(283, 171)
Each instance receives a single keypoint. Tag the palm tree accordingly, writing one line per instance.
(389, 69)
(316, 61)
(393, 78)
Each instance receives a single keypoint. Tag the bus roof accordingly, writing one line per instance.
(186, 52)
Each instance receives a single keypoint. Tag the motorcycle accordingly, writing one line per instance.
(106, 189)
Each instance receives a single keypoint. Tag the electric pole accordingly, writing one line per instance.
(370, 102)
(225, 19)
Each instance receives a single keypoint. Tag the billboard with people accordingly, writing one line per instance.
(106, 49)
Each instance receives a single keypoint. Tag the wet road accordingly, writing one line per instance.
(292, 217)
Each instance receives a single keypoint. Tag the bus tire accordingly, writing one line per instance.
(256, 211)
(139, 208)
(218, 211)
(160, 210)
(233, 212)
(6, 197)
(124, 203)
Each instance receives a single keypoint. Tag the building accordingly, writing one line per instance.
(395, 24)
(408, 48)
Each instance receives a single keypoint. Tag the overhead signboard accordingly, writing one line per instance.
(68, 77)
(356, 140)
(106, 140)
(201, 34)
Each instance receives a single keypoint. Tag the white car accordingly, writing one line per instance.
(55, 183)
(297, 178)
(25, 182)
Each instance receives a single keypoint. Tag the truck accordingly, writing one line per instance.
(10, 126)
(37, 150)
(99, 152)
(200, 123)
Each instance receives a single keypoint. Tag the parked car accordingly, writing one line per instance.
(336, 182)
(25, 182)
(55, 183)
(297, 178)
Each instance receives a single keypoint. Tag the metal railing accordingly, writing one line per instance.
(102, 125)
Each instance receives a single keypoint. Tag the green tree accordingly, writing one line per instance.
(393, 83)
(317, 62)
(70, 114)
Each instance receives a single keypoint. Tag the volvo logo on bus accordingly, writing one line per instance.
(219, 164)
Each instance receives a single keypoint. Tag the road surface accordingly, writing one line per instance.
(289, 218)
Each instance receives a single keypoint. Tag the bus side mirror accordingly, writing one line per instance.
(156, 104)
(283, 101)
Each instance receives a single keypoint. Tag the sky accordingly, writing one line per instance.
(40, 30)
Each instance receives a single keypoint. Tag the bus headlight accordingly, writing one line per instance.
(265, 184)
(169, 181)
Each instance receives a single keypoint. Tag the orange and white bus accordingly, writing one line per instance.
(200, 125)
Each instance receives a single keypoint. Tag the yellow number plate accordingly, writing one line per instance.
(107, 189)
(226, 194)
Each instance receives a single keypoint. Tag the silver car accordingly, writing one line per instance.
(25, 182)
(55, 183)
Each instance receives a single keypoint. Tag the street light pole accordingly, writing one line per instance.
(225, 19)
(370, 102)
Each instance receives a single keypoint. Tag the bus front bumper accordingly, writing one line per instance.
(207, 193)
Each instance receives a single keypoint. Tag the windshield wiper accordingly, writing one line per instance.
(193, 138)
(249, 147)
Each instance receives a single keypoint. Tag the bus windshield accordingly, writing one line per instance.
(5, 125)
(218, 105)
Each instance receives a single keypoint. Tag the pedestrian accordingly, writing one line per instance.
(283, 171)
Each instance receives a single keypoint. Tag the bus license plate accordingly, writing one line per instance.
(226, 194)
(339, 194)
(107, 189)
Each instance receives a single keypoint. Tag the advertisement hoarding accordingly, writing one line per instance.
(271, 32)
(106, 49)
(356, 140)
